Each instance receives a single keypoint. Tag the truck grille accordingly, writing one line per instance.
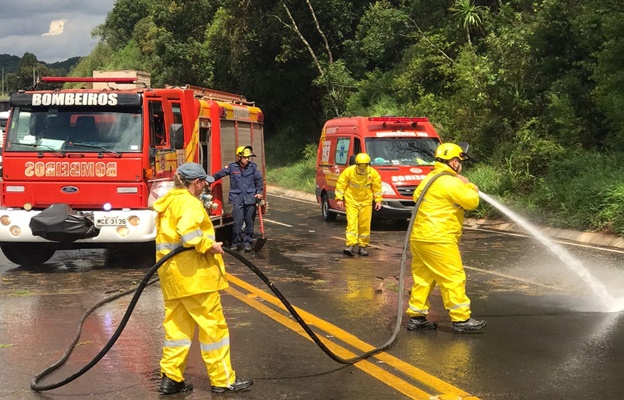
(406, 191)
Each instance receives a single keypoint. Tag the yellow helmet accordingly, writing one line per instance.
(448, 151)
(245, 151)
(362, 158)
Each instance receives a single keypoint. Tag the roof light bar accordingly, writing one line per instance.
(64, 79)
(398, 119)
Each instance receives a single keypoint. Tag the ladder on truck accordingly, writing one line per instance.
(216, 95)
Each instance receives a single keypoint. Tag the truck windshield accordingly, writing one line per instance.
(52, 129)
(401, 150)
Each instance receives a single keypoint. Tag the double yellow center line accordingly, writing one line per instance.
(441, 389)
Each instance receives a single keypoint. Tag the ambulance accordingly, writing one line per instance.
(401, 149)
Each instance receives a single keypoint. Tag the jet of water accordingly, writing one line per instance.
(570, 261)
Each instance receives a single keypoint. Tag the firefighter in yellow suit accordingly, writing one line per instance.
(190, 284)
(434, 242)
(356, 188)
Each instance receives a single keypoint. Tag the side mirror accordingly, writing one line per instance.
(352, 159)
(177, 136)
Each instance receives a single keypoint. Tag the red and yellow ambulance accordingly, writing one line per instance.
(401, 149)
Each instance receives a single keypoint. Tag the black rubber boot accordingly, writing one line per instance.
(468, 325)
(169, 386)
(239, 385)
(420, 324)
(349, 251)
(363, 252)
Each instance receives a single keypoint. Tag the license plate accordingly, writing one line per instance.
(104, 221)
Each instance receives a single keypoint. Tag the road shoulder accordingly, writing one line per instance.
(590, 238)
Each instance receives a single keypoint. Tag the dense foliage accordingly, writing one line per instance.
(21, 72)
(535, 86)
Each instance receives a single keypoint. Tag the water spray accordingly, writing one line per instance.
(570, 261)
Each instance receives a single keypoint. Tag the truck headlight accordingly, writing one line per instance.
(387, 189)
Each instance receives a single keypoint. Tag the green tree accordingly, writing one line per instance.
(382, 34)
(98, 59)
(470, 15)
(30, 70)
(181, 27)
(121, 21)
(606, 68)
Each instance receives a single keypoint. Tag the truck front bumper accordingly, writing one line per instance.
(395, 209)
(115, 226)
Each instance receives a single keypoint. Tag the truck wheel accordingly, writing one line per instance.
(328, 216)
(124, 255)
(27, 254)
(143, 253)
(223, 233)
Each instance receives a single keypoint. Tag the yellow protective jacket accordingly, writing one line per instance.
(359, 189)
(183, 221)
(441, 213)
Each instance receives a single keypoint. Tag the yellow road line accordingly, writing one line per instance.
(389, 379)
(442, 387)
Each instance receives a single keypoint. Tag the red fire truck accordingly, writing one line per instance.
(82, 167)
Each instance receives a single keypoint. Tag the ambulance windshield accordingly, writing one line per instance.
(401, 150)
(67, 129)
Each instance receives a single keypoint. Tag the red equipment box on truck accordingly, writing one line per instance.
(82, 167)
(401, 149)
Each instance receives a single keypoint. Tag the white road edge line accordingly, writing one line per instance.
(292, 198)
(588, 246)
(277, 223)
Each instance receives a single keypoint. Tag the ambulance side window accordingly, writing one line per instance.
(342, 151)
(357, 146)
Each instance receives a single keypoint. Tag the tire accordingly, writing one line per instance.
(144, 251)
(27, 254)
(328, 216)
(126, 255)
(402, 224)
(223, 233)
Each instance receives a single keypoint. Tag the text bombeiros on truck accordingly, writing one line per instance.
(81, 167)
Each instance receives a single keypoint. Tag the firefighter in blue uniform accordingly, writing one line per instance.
(245, 189)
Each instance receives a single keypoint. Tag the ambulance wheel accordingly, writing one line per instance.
(328, 216)
(27, 254)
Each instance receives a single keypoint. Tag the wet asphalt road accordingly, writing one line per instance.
(546, 335)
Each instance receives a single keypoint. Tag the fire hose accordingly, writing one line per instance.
(36, 386)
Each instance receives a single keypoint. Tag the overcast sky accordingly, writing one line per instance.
(52, 30)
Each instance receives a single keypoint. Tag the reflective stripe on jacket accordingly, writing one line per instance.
(182, 221)
(359, 189)
(441, 213)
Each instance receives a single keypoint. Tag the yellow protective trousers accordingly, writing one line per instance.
(358, 223)
(438, 263)
(182, 315)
